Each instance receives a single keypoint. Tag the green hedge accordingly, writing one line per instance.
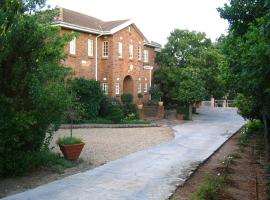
(89, 95)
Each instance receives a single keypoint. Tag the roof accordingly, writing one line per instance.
(82, 22)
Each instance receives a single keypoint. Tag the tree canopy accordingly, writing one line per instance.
(32, 81)
(190, 68)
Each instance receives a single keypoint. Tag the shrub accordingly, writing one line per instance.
(89, 94)
(154, 91)
(140, 95)
(127, 98)
(117, 114)
(69, 140)
(210, 188)
(106, 105)
(183, 109)
(32, 84)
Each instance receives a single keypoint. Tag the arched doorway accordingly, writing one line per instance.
(128, 85)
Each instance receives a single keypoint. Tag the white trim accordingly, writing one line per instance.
(121, 26)
(76, 27)
(148, 67)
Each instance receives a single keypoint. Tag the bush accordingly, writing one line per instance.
(69, 140)
(117, 114)
(154, 91)
(89, 94)
(33, 96)
(183, 109)
(140, 95)
(106, 105)
(210, 188)
(127, 98)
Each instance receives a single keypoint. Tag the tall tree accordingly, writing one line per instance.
(247, 51)
(32, 91)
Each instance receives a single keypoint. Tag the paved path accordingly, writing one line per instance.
(153, 173)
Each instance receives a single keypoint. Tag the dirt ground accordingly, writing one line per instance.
(102, 145)
(242, 183)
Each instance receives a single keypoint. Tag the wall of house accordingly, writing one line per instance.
(113, 69)
(81, 64)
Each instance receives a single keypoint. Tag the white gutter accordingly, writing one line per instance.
(97, 56)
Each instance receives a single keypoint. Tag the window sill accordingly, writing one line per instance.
(72, 55)
(91, 57)
(105, 58)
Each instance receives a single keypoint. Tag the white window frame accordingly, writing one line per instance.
(131, 52)
(105, 88)
(139, 87)
(90, 47)
(72, 46)
(145, 87)
(139, 53)
(117, 88)
(145, 56)
(105, 49)
(120, 49)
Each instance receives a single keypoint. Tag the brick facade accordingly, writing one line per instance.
(113, 70)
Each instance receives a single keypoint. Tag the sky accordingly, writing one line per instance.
(156, 18)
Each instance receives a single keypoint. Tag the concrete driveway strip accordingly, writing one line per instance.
(153, 173)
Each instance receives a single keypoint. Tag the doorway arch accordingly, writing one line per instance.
(128, 85)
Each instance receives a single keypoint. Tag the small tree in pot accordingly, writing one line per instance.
(140, 103)
(71, 147)
(160, 95)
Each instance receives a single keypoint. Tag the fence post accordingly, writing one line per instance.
(212, 102)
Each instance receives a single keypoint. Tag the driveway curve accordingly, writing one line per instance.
(153, 173)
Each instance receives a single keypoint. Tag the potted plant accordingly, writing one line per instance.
(181, 112)
(71, 147)
(140, 104)
(160, 94)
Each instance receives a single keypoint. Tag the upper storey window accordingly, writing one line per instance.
(90, 47)
(72, 47)
(146, 56)
(139, 53)
(105, 49)
(130, 51)
(120, 50)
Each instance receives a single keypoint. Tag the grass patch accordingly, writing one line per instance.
(69, 140)
(54, 162)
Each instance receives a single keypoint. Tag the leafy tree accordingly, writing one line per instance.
(191, 68)
(248, 55)
(32, 92)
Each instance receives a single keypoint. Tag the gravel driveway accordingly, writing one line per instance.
(107, 144)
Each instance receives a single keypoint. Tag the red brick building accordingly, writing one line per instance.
(116, 53)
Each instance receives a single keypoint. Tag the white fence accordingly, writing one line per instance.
(219, 103)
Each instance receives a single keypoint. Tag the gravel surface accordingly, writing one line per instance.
(106, 144)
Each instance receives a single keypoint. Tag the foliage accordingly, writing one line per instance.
(117, 114)
(135, 121)
(154, 93)
(32, 92)
(210, 188)
(68, 140)
(106, 105)
(191, 52)
(89, 95)
(140, 95)
(189, 87)
(183, 109)
(127, 98)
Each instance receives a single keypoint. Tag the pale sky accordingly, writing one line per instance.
(156, 18)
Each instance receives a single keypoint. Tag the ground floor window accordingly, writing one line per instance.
(105, 88)
(117, 88)
(139, 87)
(145, 87)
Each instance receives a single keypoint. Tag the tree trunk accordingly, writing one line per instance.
(266, 136)
(190, 112)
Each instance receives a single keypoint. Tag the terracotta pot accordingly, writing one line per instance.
(71, 151)
(140, 106)
(179, 116)
(160, 103)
